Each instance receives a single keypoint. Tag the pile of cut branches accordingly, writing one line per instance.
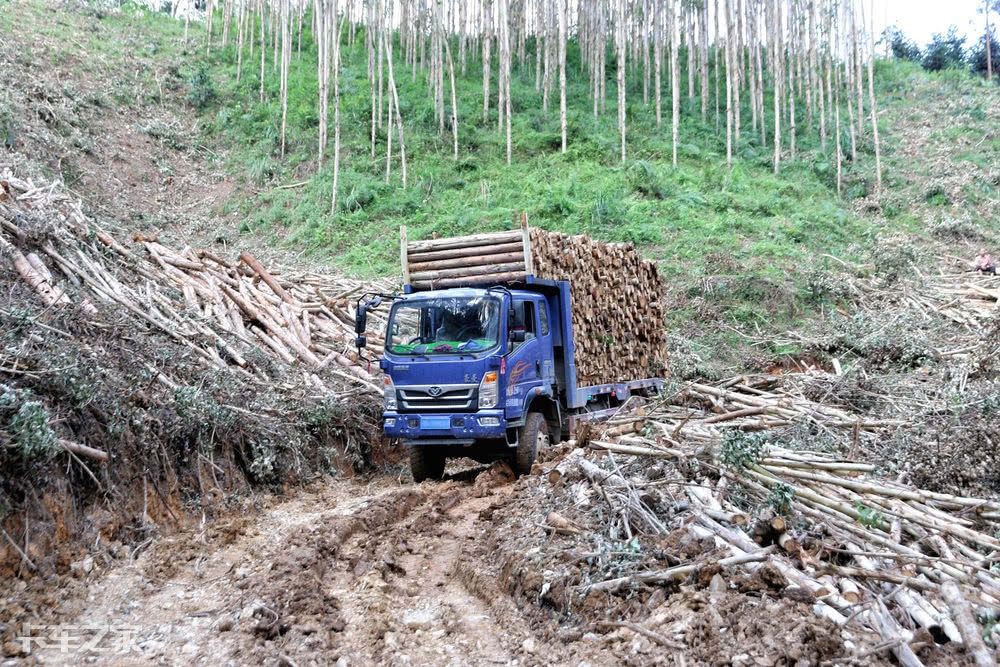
(147, 380)
(878, 556)
(222, 310)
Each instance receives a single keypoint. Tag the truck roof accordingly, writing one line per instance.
(460, 292)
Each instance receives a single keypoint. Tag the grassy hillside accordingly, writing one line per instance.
(680, 215)
(741, 248)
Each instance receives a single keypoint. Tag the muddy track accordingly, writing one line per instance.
(341, 574)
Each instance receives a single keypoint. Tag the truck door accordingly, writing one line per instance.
(528, 363)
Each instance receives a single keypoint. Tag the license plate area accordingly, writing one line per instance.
(435, 423)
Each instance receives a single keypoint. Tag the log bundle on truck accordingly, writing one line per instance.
(501, 342)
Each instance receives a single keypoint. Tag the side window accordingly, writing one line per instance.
(543, 318)
(522, 318)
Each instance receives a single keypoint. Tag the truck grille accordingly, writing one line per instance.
(438, 398)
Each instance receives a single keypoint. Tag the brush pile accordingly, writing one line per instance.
(139, 378)
(768, 478)
(969, 300)
(225, 312)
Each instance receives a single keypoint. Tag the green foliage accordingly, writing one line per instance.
(868, 517)
(28, 423)
(202, 90)
(201, 415)
(670, 212)
(740, 450)
(893, 260)
(780, 498)
(977, 56)
(643, 180)
(902, 48)
(945, 51)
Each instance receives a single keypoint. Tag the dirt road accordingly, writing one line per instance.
(344, 573)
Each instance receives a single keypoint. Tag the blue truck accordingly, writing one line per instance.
(479, 359)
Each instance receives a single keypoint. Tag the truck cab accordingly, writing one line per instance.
(472, 372)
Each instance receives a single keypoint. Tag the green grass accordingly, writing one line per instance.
(677, 215)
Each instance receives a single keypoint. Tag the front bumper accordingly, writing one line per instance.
(439, 426)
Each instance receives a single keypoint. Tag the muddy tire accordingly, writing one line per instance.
(426, 463)
(531, 436)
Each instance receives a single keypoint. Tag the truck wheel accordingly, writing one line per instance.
(531, 436)
(426, 463)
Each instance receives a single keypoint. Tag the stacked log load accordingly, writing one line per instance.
(618, 317)
(618, 308)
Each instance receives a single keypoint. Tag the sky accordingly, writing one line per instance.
(919, 19)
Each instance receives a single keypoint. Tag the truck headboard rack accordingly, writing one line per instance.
(480, 259)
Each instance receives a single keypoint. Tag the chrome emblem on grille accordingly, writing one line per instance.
(435, 391)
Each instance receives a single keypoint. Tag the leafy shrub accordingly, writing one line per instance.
(945, 51)
(643, 180)
(977, 57)
(260, 169)
(607, 211)
(953, 229)
(741, 450)
(358, 198)
(28, 423)
(202, 89)
(902, 48)
(780, 498)
(892, 260)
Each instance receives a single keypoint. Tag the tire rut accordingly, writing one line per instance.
(342, 574)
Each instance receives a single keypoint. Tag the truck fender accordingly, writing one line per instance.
(549, 408)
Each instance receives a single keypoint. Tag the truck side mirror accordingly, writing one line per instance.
(361, 319)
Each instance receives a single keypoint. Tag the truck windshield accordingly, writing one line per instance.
(444, 326)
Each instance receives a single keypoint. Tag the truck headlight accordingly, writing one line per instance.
(488, 390)
(388, 393)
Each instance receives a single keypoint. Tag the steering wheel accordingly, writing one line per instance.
(414, 340)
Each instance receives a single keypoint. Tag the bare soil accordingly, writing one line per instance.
(344, 572)
(449, 573)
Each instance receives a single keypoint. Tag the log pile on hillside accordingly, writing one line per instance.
(737, 464)
(227, 312)
(156, 378)
(618, 307)
(969, 300)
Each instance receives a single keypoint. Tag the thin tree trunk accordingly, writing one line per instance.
(395, 106)
(777, 84)
(332, 20)
(487, 49)
(836, 137)
(454, 99)
(989, 48)
(322, 64)
(620, 31)
(658, 58)
(871, 99)
(675, 76)
(718, 38)
(729, 87)
(286, 61)
(563, 8)
(703, 22)
(858, 79)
